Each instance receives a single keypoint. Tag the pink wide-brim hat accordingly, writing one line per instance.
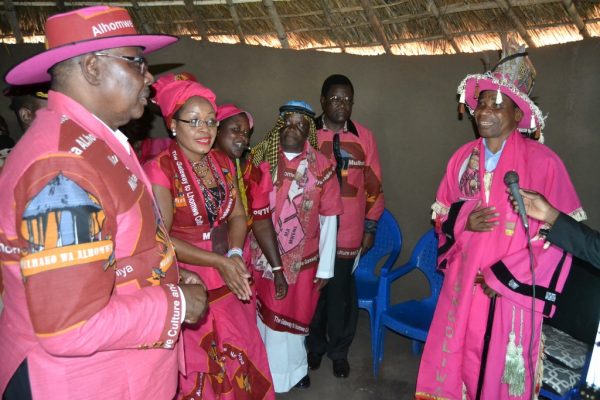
(229, 110)
(470, 88)
(80, 32)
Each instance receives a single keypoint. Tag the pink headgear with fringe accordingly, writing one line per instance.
(173, 90)
(229, 110)
(513, 76)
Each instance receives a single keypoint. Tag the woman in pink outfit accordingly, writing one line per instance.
(198, 197)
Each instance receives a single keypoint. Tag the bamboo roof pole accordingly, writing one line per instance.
(376, 25)
(12, 19)
(574, 14)
(436, 12)
(202, 31)
(281, 35)
(331, 26)
(507, 8)
(145, 27)
(236, 21)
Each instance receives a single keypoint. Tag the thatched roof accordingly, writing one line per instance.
(368, 27)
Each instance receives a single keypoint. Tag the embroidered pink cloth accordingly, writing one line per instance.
(294, 313)
(452, 354)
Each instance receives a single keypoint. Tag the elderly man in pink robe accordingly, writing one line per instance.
(484, 340)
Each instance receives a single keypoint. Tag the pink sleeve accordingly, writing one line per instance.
(72, 302)
(373, 187)
(155, 173)
(260, 186)
(153, 311)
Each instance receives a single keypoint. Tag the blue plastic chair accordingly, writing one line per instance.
(388, 242)
(409, 318)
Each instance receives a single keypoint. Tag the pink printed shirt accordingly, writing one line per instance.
(362, 193)
(90, 279)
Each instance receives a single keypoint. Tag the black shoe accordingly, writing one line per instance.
(304, 383)
(341, 368)
(314, 360)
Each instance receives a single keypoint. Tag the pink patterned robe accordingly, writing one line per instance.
(451, 359)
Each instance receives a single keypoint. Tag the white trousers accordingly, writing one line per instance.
(287, 357)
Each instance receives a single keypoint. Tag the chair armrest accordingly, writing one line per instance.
(392, 274)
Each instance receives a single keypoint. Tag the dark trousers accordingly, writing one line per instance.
(334, 324)
(18, 387)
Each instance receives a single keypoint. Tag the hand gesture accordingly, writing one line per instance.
(482, 219)
(235, 274)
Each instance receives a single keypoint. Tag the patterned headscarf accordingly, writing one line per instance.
(173, 90)
(268, 148)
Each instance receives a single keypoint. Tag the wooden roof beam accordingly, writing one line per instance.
(281, 35)
(145, 27)
(200, 24)
(331, 26)
(236, 21)
(574, 14)
(436, 12)
(13, 20)
(376, 25)
(507, 8)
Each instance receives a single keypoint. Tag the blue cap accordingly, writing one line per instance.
(297, 106)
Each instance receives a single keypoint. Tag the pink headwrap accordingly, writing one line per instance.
(229, 110)
(173, 90)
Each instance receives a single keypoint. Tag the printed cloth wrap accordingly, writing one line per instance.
(225, 357)
(305, 188)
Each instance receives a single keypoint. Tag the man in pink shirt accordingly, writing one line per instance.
(93, 297)
(352, 148)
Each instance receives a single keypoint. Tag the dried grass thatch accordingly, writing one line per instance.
(365, 27)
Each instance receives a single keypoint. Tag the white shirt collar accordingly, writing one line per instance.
(119, 135)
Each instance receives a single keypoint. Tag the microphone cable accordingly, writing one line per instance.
(532, 336)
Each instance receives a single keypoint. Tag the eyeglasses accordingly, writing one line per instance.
(138, 61)
(337, 100)
(197, 123)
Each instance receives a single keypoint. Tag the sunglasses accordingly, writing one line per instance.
(138, 61)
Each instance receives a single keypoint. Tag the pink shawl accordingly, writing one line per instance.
(452, 354)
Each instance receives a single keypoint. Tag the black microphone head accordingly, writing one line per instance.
(511, 177)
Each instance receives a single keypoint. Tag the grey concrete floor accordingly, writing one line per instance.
(397, 376)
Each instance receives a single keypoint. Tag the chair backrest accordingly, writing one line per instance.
(424, 257)
(388, 243)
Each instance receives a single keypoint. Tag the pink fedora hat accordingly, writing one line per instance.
(79, 32)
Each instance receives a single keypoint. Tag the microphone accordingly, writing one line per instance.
(511, 179)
